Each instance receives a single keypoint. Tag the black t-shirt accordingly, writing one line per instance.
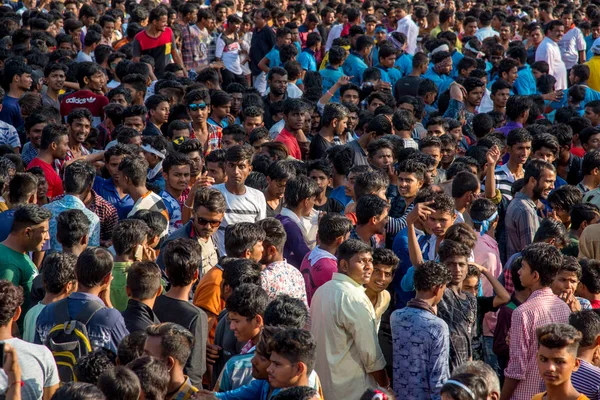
(318, 147)
(407, 86)
(332, 205)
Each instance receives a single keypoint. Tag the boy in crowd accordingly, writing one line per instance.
(158, 114)
(143, 287)
(371, 220)
(321, 172)
(566, 282)
(176, 172)
(385, 263)
(589, 285)
(278, 175)
(582, 215)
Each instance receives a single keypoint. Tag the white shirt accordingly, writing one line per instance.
(344, 328)
(407, 26)
(334, 33)
(485, 32)
(486, 104)
(230, 55)
(549, 51)
(570, 45)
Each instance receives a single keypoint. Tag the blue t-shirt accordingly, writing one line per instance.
(404, 65)
(443, 82)
(307, 60)
(11, 112)
(6, 222)
(456, 57)
(273, 57)
(525, 84)
(355, 66)
(393, 75)
(338, 194)
(330, 76)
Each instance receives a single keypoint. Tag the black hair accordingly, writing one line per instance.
(129, 233)
(544, 259)
(248, 301)
(518, 135)
(72, 226)
(565, 197)
(517, 105)
(551, 229)
(153, 375)
(143, 279)
(89, 367)
(176, 341)
(181, 257)
(135, 168)
(333, 226)
(369, 206)
(120, 383)
(241, 237)
(131, 347)
(370, 182)
(78, 391)
(239, 153)
(78, 177)
(588, 323)
(299, 189)
(237, 271)
(286, 311)
(583, 212)
(295, 345)
(298, 392)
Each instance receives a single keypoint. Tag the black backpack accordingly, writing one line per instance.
(68, 339)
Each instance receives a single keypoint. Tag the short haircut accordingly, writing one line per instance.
(128, 234)
(559, 336)
(120, 383)
(176, 341)
(385, 257)
(71, 226)
(431, 274)
(211, 199)
(58, 269)
(299, 189)
(51, 133)
(464, 182)
(11, 298)
(588, 323)
(153, 375)
(333, 111)
(174, 160)
(333, 226)
(450, 248)
(297, 392)
(237, 271)
(182, 258)
(274, 233)
(443, 203)
(136, 169)
(518, 135)
(78, 177)
(413, 167)
(545, 140)
(21, 187)
(350, 248)
(565, 197)
(78, 391)
(131, 347)
(93, 265)
(591, 161)
(241, 237)
(285, 310)
(239, 153)
(535, 168)
(29, 215)
(482, 369)
(370, 182)
(590, 275)
(517, 105)
(248, 301)
(583, 212)
(370, 206)
(544, 259)
(143, 279)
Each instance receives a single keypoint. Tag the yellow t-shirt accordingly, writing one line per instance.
(540, 396)
(594, 80)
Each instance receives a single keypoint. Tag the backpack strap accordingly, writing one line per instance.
(88, 311)
(61, 311)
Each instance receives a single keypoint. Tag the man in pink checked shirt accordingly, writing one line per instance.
(541, 263)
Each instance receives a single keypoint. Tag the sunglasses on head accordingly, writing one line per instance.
(196, 107)
(204, 222)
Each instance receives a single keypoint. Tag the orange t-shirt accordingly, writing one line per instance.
(208, 296)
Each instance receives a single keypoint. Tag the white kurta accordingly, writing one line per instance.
(549, 51)
(407, 26)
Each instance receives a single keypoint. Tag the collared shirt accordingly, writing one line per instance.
(407, 26)
(442, 82)
(138, 316)
(58, 164)
(106, 188)
(504, 180)
(29, 153)
(9, 135)
(486, 253)
(190, 48)
(521, 223)
(307, 60)
(340, 309)
(421, 345)
(549, 51)
(70, 202)
(185, 392)
(374, 241)
(542, 308)
(279, 277)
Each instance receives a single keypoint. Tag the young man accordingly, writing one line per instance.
(38, 373)
(172, 344)
(55, 81)
(132, 176)
(233, 135)
(557, 360)
(355, 64)
(90, 43)
(500, 93)
(93, 272)
(409, 85)
(53, 146)
(22, 189)
(521, 219)
(321, 172)
(110, 188)
(540, 265)
(143, 287)
(176, 171)
(279, 277)
(17, 80)
(355, 362)
(585, 379)
(581, 216)
(518, 147)
(91, 79)
(371, 220)
(292, 135)
(278, 175)
(461, 104)
(525, 84)
(299, 218)
(78, 179)
(158, 114)
(385, 263)
(244, 204)
(333, 124)
(589, 286)
(220, 107)
(549, 51)
(278, 82)
(419, 320)
(182, 258)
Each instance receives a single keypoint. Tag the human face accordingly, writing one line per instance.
(192, 17)
(282, 373)
(38, 236)
(237, 171)
(439, 222)
(520, 152)
(251, 123)
(221, 111)
(56, 80)
(474, 96)
(24, 81)
(435, 152)
(556, 33)
(215, 171)
(352, 121)
(565, 283)
(374, 104)
(458, 266)
(109, 28)
(512, 75)
(65, 46)
(113, 167)
(276, 188)
(259, 22)
(294, 121)
(321, 179)
(196, 162)
(448, 154)
(96, 81)
(370, 27)
(435, 130)
(71, 7)
(260, 363)
(505, 33)
(408, 184)
(79, 130)
(544, 154)
(382, 159)
(349, 184)
(545, 185)
(236, 102)
(198, 111)
(556, 365)
(119, 99)
(62, 146)
(221, 14)
(388, 62)
(161, 114)
(470, 28)
(380, 36)
(136, 122)
(351, 96)
(35, 134)
(359, 267)
(329, 18)
(471, 285)
(205, 222)
(243, 328)
(381, 278)
(593, 117)
(160, 24)
(278, 84)
(227, 141)
(178, 177)
(567, 20)
(501, 97)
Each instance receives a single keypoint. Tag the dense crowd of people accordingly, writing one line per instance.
(286, 200)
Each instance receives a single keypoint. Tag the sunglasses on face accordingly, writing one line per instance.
(203, 222)
(196, 107)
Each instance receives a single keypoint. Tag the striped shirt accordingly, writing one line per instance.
(586, 380)
(504, 181)
(151, 202)
(521, 223)
(248, 207)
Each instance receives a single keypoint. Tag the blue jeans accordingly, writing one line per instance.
(488, 354)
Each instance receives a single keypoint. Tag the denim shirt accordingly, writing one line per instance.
(106, 329)
(70, 202)
(106, 188)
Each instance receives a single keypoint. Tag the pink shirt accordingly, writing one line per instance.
(486, 253)
(318, 274)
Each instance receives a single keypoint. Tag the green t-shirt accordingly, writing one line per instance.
(20, 270)
(118, 293)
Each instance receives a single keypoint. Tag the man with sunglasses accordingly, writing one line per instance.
(209, 136)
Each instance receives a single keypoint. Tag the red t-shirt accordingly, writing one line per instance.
(55, 184)
(595, 303)
(84, 99)
(290, 142)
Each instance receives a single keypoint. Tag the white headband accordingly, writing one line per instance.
(462, 386)
(150, 149)
(443, 47)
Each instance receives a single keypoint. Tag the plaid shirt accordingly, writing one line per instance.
(59, 164)
(542, 308)
(191, 47)
(215, 133)
(208, 46)
(185, 391)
